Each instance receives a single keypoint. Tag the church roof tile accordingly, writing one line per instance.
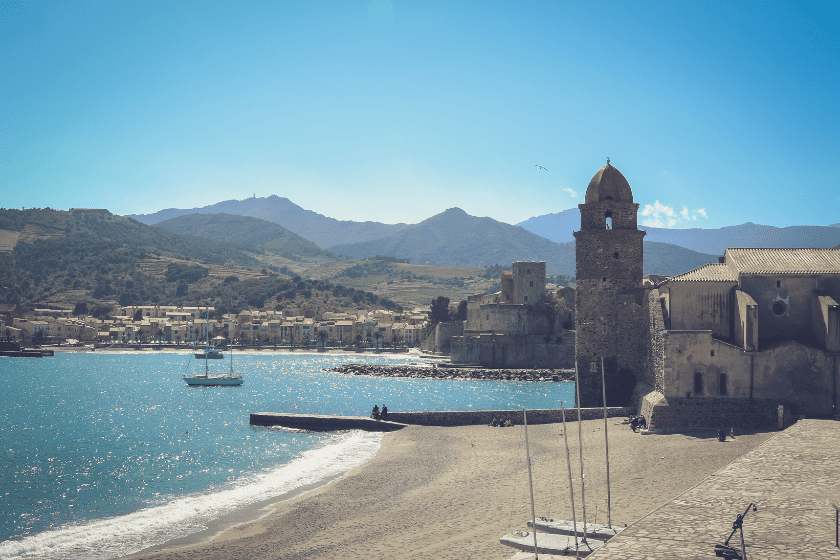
(785, 261)
(712, 272)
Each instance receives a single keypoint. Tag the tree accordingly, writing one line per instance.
(81, 308)
(440, 310)
(322, 337)
(377, 335)
(138, 315)
(461, 313)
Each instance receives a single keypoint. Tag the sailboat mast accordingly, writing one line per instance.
(606, 441)
(530, 484)
(207, 342)
(571, 486)
(580, 445)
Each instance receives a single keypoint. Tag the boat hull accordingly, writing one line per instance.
(211, 381)
(210, 356)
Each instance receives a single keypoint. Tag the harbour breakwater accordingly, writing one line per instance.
(453, 373)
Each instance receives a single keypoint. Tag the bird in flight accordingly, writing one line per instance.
(540, 166)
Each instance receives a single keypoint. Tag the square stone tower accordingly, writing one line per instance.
(528, 281)
(609, 309)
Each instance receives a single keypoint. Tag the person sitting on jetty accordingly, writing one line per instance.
(375, 413)
(384, 414)
(494, 423)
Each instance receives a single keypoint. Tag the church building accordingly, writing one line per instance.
(723, 345)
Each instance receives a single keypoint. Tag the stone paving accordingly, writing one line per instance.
(793, 478)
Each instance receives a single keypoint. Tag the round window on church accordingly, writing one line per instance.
(779, 308)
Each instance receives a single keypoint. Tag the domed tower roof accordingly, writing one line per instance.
(608, 184)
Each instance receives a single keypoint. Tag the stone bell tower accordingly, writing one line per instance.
(609, 307)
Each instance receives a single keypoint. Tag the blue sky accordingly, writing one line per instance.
(718, 113)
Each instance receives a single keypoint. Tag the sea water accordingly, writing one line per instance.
(104, 454)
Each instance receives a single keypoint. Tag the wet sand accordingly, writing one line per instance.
(450, 493)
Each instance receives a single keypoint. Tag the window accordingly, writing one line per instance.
(615, 255)
(713, 353)
(528, 271)
(722, 384)
(532, 284)
(526, 298)
(604, 279)
(778, 283)
(698, 383)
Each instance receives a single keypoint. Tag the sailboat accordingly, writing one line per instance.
(205, 379)
(209, 353)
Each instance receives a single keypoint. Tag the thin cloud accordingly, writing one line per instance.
(664, 216)
(573, 193)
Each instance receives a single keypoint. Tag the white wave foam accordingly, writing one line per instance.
(113, 537)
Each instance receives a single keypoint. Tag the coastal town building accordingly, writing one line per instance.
(191, 326)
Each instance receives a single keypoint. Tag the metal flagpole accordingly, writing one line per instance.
(530, 484)
(571, 487)
(580, 444)
(606, 442)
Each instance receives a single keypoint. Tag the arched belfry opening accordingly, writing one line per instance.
(609, 246)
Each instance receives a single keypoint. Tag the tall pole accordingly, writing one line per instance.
(571, 487)
(530, 484)
(580, 445)
(606, 441)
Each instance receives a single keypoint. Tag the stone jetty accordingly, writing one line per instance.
(443, 372)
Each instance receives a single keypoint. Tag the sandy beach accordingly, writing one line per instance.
(452, 492)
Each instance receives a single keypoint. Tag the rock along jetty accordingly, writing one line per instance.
(427, 372)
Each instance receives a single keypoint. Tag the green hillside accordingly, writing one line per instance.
(49, 251)
(58, 258)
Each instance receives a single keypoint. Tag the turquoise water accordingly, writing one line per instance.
(105, 453)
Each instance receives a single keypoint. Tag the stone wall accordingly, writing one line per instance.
(678, 414)
(440, 337)
(485, 417)
(655, 372)
(505, 351)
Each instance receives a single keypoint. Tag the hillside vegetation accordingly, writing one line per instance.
(95, 252)
(252, 233)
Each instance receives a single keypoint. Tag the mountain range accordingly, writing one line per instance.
(319, 229)
(558, 227)
(455, 238)
(246, 231)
